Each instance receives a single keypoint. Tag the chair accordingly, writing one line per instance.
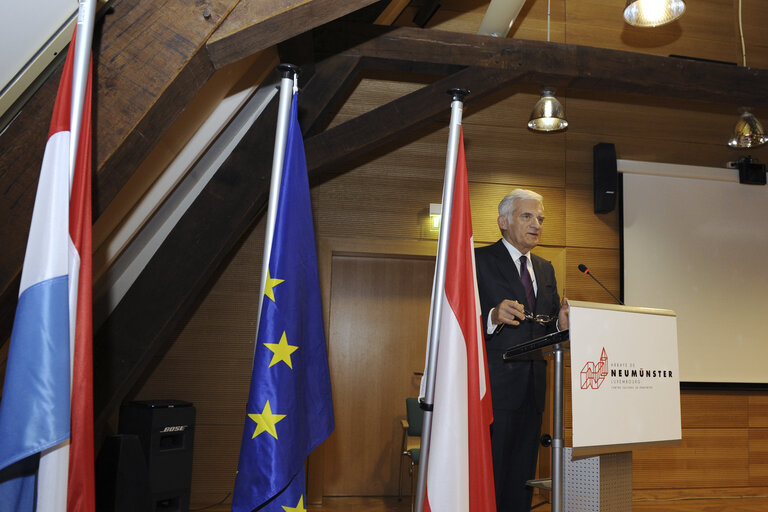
(411, 445)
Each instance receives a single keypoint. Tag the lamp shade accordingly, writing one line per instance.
(652, 13)
(548, 114)
(748, 132)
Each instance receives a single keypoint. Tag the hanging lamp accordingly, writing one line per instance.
(652, 13)
(748, 131)
(548, 114)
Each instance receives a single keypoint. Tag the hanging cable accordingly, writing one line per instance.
(741, 35)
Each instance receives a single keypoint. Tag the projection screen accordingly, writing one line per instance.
(696, 241)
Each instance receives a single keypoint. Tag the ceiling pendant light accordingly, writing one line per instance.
(748, 132)
(652, 13)
(548, 114)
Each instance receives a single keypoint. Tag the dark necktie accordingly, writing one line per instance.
(525, 277)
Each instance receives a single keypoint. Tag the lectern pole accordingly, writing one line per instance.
(550, 346)
(557, 438)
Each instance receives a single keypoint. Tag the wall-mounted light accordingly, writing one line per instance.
(435, 210)
(652, 13)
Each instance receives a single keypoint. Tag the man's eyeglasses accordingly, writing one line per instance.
(539, 319)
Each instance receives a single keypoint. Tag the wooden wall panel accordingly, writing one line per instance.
(754, 14)
(366, 205)
(603, 263)
(370, 93)
(758, 456)
(378, 332)
(651, 118)
(758, 411)
(514, 156)
(584, 228)
(706, 458)
(714, 409)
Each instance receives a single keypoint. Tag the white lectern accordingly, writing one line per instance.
(625, 395)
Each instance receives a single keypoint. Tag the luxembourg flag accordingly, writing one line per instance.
(46, 412)
(460, 471)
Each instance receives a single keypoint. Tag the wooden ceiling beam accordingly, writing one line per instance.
(546, 63)
(358, 136)
(257, 24)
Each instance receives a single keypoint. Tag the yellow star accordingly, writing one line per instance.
(282, 351)
(270, 285)
(265, 422)
(297, 508)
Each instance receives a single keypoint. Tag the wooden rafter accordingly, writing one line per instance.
(257, 24)
(557, 64)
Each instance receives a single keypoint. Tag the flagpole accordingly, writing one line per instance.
(457, 102)
(288, 85)
(86, 16)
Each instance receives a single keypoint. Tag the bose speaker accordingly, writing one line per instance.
(605, 177)
(122, 482)
(165, 429)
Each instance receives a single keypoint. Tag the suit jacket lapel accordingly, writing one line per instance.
(508, 270)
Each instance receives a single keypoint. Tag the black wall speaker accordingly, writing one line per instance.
(122, 482)
(165, 429)
(605, 177)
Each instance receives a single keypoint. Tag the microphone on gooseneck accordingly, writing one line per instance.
(585, 270)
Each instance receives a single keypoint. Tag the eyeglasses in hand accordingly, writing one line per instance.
(539, 319)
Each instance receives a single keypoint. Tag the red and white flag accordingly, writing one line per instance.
(460, 471)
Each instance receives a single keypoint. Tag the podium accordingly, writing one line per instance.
(625, 395)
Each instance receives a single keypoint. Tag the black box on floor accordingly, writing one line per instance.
(165, 429)
(122, 482)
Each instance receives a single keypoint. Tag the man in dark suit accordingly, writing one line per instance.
(508, 300)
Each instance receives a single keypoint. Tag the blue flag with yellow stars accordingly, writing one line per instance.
(289, 409)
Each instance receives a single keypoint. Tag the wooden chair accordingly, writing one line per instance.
(411, 444)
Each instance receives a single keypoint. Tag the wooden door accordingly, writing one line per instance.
(379, 315)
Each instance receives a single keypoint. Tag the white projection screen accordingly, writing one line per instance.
(700, 247)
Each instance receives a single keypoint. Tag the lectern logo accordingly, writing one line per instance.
(593, 374)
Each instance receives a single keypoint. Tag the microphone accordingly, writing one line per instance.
(585, 270)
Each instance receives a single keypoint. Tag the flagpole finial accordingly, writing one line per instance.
(458, 94)
(288, 70)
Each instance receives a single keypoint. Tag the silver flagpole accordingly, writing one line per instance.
(86, 16)
(288, 85)
(438, 289)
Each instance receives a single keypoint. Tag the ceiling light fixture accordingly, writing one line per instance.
(748, 132)
(652, 13)
(548, 114)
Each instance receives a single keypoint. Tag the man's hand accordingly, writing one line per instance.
(508, 312)
(563, 314)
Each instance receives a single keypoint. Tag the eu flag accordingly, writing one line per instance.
(289, 409)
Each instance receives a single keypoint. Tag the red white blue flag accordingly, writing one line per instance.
(46, 412)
